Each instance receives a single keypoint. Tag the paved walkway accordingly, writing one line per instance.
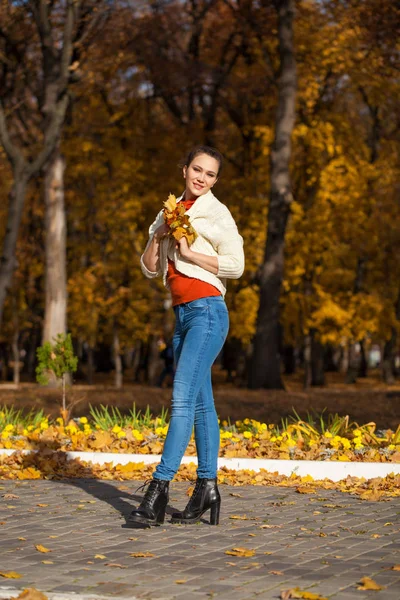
(324, 543)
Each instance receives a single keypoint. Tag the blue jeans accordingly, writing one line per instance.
(200, 332)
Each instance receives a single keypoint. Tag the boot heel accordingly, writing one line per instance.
(161, 516)
(214, 513)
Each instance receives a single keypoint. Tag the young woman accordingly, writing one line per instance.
(196, 277)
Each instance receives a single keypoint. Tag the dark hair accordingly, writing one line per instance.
(213, 152)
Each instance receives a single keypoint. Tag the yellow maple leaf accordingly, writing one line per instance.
(369, 584)
(242, 552)
(10, 575)
(41, 548)
(170, 204)
(298, 593)
(305, 490)
(179, 232)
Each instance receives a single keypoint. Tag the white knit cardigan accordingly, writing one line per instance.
(217, 236)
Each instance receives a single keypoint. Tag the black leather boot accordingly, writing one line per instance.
(151, 510)
(205, 497)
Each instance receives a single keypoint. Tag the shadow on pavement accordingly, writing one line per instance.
(54, 465)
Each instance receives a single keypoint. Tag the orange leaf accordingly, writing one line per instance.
(305, 490)
(242, 552)
(369, 584)
(31, 594)
(41, 548)
(10, 575)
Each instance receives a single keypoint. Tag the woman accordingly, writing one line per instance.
(196, 277)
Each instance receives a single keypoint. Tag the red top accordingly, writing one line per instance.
(184, 288)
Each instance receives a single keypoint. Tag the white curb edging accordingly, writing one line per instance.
(330, 469)
(5, 593)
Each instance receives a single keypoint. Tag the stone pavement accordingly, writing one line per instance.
(324, 543)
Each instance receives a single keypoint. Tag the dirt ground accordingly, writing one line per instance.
(368, 400)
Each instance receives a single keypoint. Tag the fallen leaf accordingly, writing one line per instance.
(371, 495)
(386, 524)
(31, 594)
(298, 593)
(304, 490)
(41, 548)
(395, 568)
(52, 537)
(375, 535)
(179, 581)
(101, 556)
(22, 539)
(239, 517)
(267, 553)
(47, 562)
(116, 565)
(369, 584)
(42, 505)
(252, 535)
(270, 526)
(231, 564)
(10, 497)
(10, 574)
(235, 495)
(141, 554)
(133, 539)
(243, 552)
(276, 572)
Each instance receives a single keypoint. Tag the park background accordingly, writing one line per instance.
(99, 104)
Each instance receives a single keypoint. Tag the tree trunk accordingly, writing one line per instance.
(55, 317)
(307, 361)
(389, 351)
(265, 369)
(354, 363)
(317, 362)
(8, 260)
(153, 362)
(363, 371)
(117, 358)
(388, 366)
(33, 342)
(289, 359)
(15, 350)
(90, 365)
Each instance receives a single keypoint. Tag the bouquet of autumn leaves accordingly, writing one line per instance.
(179, 225)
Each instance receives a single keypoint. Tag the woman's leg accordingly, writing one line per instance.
(206, 428)
(206, 432)
(197, 343)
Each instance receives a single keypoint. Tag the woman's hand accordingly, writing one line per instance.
(161, 231)
(184, 248)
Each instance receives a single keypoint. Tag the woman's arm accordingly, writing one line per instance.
(151, 256)
(209, 263)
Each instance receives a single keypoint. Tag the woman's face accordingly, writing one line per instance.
(200, 175)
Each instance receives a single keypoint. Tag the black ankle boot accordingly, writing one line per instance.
(205, 496)
(151, 510)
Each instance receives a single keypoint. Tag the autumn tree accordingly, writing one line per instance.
(265, 367)
(42, 44)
